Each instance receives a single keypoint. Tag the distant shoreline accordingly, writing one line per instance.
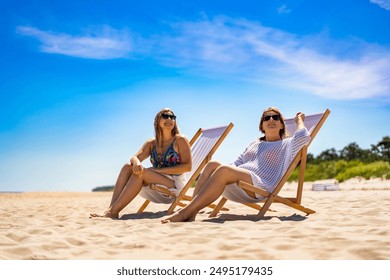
(12, 191)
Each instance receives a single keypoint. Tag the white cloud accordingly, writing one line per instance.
(247, 50)
(385, 4)
(104, 43)
(251, 51)
(283, 10)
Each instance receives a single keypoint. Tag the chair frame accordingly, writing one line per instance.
(294, 202)
(182, 195)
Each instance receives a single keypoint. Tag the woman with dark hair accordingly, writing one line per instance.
(262, 164)
(170, 156)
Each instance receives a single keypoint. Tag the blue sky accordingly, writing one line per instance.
(81, 81)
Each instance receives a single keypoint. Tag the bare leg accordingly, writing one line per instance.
(123, 178)
(132, 189)
(205, 175)
(211, 190)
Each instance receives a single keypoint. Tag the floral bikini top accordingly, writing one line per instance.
(168, 159)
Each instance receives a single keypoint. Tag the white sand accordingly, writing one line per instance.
(353, 224)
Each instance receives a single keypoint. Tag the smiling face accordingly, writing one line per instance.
(167, 120)
(164, 120)
(272, 123)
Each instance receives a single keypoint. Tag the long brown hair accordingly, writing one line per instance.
(157, 129)
(282, 132)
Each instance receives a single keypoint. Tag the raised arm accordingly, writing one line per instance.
(299, 120)
(301, 136)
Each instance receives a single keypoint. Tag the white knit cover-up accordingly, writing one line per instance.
(267, 162)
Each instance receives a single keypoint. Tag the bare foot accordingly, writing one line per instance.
(106, 214)
(192, 219)
(178, 217)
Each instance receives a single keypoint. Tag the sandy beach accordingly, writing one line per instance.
(350, 224)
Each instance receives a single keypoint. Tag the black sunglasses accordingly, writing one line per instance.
(166, 116)
(274, 117)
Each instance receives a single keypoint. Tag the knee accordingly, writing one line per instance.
(222, 172)
(222, 169)
(127, 168)
(213, 165)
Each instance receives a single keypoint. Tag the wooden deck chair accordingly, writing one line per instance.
(313, 123)
(203, 145)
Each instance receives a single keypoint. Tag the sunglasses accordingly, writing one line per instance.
(274, 117)
(166, 116)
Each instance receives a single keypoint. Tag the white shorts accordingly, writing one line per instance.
(234, 193)
(158, 197)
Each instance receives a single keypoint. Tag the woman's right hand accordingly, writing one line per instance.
(299, 116)
(138, 169)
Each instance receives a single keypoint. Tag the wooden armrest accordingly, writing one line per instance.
(250, 187)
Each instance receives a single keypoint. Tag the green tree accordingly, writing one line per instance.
(310, 158)
(351, 152)
(329, 154)
(384, 148)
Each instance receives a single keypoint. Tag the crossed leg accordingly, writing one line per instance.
(205, 175)
(210, 186)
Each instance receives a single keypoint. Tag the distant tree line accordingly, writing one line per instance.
(378, 152)
(349, 162)
(103, 189)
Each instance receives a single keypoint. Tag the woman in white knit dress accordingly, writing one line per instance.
(262, 164)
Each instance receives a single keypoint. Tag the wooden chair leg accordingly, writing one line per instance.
(142, 208)
(173, 206)
(265, 208)
(218, 207)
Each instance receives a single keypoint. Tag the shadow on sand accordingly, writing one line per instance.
(233, 217)
(143, 215)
